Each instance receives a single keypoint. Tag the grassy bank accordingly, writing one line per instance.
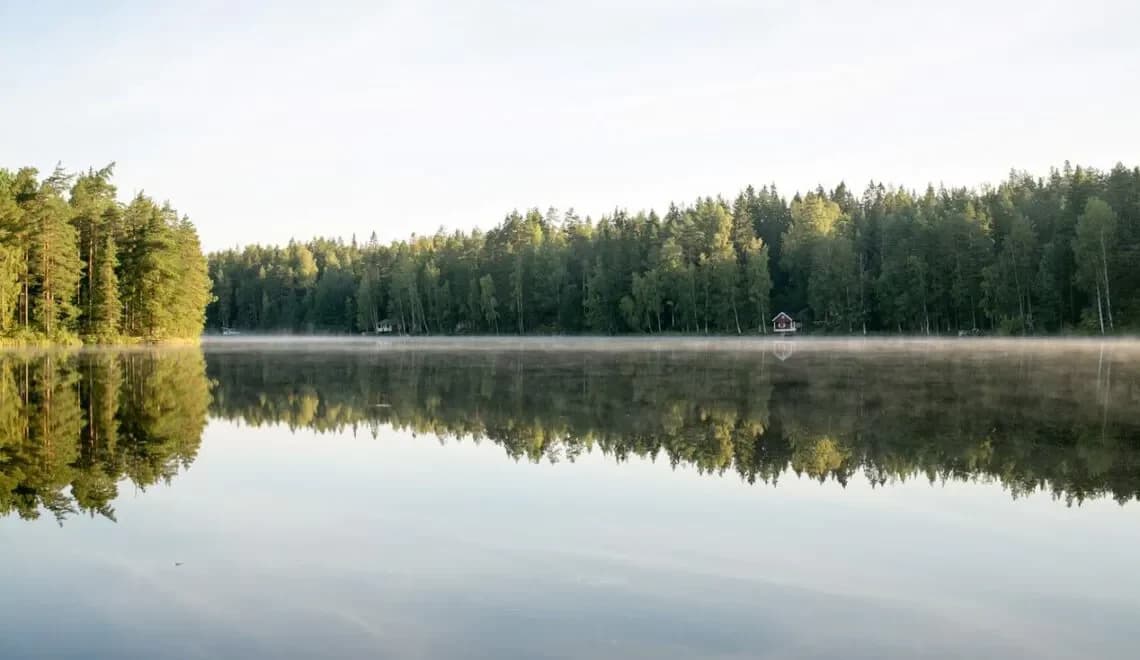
(39, 340)
(70, 340)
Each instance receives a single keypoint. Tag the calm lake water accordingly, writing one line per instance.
(572, 499)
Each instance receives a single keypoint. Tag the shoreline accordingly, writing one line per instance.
(78, 343)
(598, 343)
(634, 343)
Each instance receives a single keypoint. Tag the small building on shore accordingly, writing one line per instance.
(783, 324)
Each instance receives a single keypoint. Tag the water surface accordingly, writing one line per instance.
(571, 499)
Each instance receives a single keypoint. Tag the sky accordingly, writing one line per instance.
(270, 121)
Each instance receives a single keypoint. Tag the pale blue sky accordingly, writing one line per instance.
(290, 119)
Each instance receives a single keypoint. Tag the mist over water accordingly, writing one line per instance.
(965, 345)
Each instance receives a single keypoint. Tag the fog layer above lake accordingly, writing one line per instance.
(1118, 345)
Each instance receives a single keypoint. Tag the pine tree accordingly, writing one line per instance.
(11, 244)
(150, 270)
(106, 309)
(55, 265)
(191, 292)
(758, 283)
(93, 215)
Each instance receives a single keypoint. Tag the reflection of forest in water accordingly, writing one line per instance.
(1066, 424)
(73, 426)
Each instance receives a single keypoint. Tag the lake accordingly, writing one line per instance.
(572, 499)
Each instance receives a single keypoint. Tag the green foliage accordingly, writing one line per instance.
(105, 314)
(488, 303)
(758, 282)
(1027, 256)
(1094, 248)
(73, 261)
(54, 267)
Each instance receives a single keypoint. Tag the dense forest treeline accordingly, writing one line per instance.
(1063, 424)
(75, 262)
(73, 427)
(1028, 256)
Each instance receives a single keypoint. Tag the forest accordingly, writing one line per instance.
(1031, 255)
(77, 264)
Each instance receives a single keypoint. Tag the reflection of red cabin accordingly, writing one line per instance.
(783, 323)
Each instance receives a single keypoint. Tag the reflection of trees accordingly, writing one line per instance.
(1027, 422)
(72, 426)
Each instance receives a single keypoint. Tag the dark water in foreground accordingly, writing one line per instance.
(591, 500)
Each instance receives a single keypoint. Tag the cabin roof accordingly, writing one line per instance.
(781, 315)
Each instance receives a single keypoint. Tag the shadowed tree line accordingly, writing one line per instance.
(1027, 256)
(75, 262)
(1067, 425)
(74, 426)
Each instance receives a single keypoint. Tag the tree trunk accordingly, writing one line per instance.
(847, 304)
(1020, 298)
(27, 275)
(90, 272)
(1072, 301)
(862, 292)
(49, 308)
(1029, 306)
(925, 313)
(1099, 311)
(1107, 296)
(735, 315)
